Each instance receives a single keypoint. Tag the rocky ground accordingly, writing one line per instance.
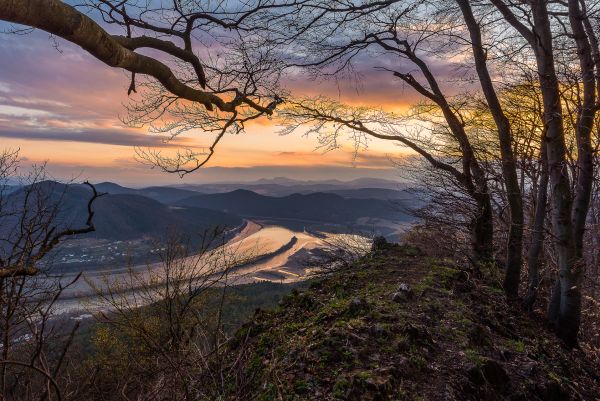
(400, 325)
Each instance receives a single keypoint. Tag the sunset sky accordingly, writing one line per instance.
(59, 104)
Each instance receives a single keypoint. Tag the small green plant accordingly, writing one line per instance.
(515, 345)
(340, 388)
(474, 356)
(418, 362)
(300, 386)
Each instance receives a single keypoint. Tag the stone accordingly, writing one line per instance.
(357, 305)
(403, 294)
(399, 297)
(378, 330)
(404, 287)
(479, 336)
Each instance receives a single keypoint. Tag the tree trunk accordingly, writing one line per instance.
(483, 231)
(537, 236)
(571, 273)
(585, 123)
(509, 168)
(565, 314)
(474, 181)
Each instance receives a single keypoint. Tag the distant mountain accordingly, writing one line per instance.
(276, 180)
(372, 193)
(284, 186)
(125, 216)
(161, 194)
(114, 189)
(321, 207)
(366, 182)
(356, 183)
(6, 189)
(132, 216)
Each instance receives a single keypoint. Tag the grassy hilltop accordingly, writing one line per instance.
(363, 334)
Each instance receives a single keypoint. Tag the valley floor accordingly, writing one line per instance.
(272, 253)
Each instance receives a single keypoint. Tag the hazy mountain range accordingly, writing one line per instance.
(313, 207)
(120, 216)
(129, 213)
(282, 186)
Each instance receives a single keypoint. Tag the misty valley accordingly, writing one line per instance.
(280, 227)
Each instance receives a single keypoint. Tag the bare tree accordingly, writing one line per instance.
(569, 205)
(193, 87)
(558, 38)
(509, 167)
(161, 328)
(331, 119)
(337, 253)
(33, 349)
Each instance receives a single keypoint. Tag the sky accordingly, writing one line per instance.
(61, 106)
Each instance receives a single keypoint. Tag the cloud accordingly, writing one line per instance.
(375, 160)
(50, 98)
(109, 137)
(370, 81)
(16, 111)
(71, 83)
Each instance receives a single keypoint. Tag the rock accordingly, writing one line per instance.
(463, 282)
(530, 368)
(404, 293)
(305, 300)
(495, 375)
(399, 297)
(552, 391)
(370, 386)
(419, 335)
(479, 336)
(357, 305)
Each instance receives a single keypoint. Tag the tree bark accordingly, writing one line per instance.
(585, 122)
(514, 246)
(566, 314)
(483, 231)
(537, 236)
(475, 181)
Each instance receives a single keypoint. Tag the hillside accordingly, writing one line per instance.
(281, 186)
(363, 334)
(133, 216)
(125, 216)
(161, 194)
(322, 207)
(375, 193)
